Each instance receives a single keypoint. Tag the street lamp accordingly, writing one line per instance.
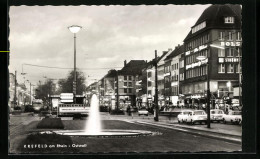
(239, 64)
(74, 29)
(201, 58)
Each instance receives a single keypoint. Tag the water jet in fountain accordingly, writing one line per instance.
(93, 126)
(94, 123)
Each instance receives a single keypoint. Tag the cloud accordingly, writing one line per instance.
(110, 35)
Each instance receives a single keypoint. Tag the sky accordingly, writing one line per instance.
(39, 35)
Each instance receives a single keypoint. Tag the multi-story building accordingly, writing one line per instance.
(219, 25)
(160, 75)
(127, 78)
(172, 75)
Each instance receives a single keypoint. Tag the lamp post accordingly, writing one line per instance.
(156, 113)
(240, 71)
(201, 58)
(74, 29)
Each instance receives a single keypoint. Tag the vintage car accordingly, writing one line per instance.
(233, 117)
(182, 117)
(216, 115)
(197, 116)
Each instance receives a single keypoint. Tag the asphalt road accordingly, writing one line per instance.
(169, 140)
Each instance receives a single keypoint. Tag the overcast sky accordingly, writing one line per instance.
(109, 35)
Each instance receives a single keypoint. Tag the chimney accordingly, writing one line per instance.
(169, 49)
(125, 63)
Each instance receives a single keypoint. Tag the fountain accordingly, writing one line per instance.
(93, 126)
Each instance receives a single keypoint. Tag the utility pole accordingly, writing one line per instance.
(208, 94)
(239, 78)
(30, 94)
(15, 83)
(156, 116)
(117, 93)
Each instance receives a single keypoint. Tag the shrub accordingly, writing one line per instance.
(50, 123)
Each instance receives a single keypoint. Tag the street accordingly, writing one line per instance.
(172, 137)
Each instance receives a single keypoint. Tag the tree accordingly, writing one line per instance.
(43, 90)
(66, 85)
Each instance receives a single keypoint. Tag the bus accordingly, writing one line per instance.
(68, 107)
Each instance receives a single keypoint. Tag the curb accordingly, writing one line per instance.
(216, 135)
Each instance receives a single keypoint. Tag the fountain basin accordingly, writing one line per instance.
(108, 133)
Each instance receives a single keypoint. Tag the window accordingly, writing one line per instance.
(125, 77)
(129, 90)
(230, 36)
(221, 68)
(130, 84)
(125, 84)
(238, 52)
(229, 52)
(129, 77)
(149, 74)
(181, 63)
(221, 35)
(237, 69)
(198, 27)
(229, 20)
(207, 37)
(239, 37)
(230, 68)
(125, 90)
(149, 83)
(221, 53)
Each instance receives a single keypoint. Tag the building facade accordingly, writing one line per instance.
(216, 36)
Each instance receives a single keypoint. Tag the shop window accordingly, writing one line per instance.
(230, 68)
(221, 53)
(221, 35)
(221, 68)
(229, 20)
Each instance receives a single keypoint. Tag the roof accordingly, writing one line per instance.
(214, 17)
(133, 67)
(111, 73)
(177, 51)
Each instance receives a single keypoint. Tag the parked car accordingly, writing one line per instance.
(143, 111)
(182, 117)
(197, 116)
(216, 115)
(233, 117)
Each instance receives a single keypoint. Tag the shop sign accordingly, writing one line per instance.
(196, 64)
(230, 43)
(174, 83)
(196, 96)
(228, 59)
(167, 74)
(187, 53)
